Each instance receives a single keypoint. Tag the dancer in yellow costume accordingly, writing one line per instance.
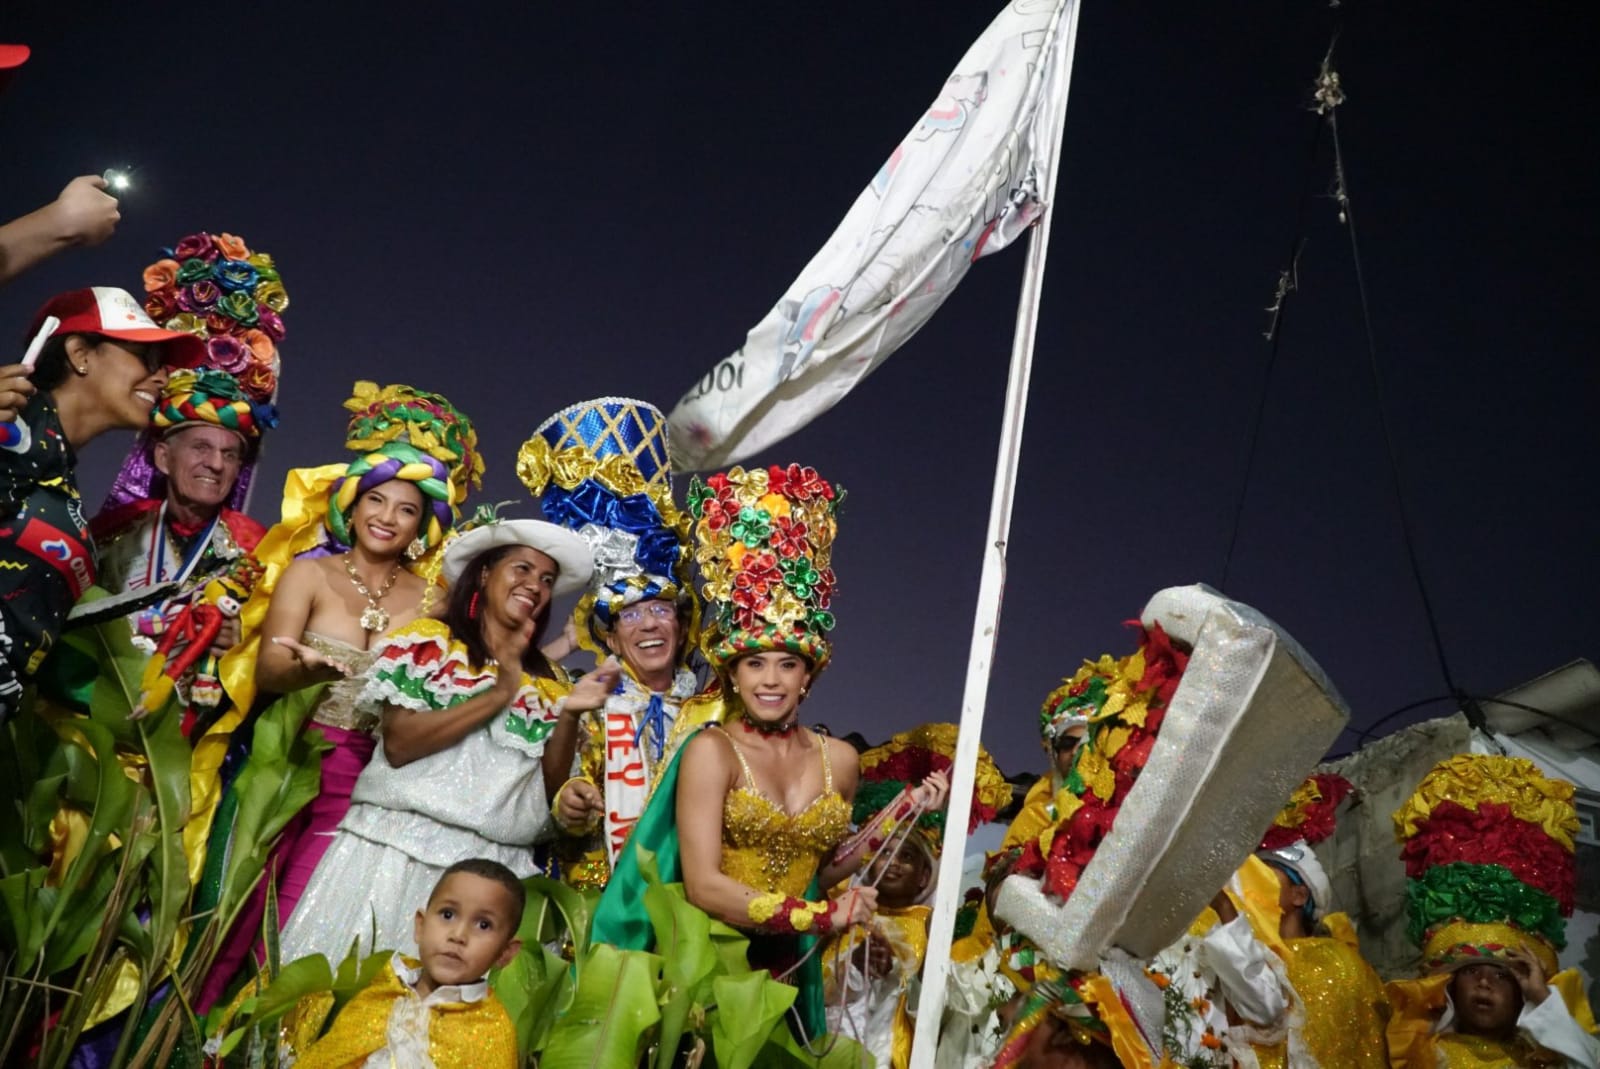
(753, 815)
(1339, 1011)
(872, 972)
(1488, 845)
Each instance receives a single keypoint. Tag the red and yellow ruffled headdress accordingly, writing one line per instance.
(1488, 845)
(906, 760)
(764, 542)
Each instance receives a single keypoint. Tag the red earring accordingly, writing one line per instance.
(472, 607)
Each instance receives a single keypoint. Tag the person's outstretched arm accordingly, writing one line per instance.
(83, 214)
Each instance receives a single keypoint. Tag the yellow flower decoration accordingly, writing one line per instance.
(1096, 773)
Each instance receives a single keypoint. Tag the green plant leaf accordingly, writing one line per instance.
(283, 774)
(168, 754)
(307, 976)
(783, 1051)
(683, 936)
(534, 987)
(748, 1008)
(612, 1015)
(576, 908)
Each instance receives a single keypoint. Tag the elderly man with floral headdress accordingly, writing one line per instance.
(601, 469)
(173, 515)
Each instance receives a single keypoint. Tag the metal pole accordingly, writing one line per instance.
(986, 621)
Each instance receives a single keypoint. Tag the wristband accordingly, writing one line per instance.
(555, 808)
(787, 915)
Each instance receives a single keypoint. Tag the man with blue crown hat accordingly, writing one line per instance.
(600, 468)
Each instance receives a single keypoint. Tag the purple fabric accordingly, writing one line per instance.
(138, 479)
(305, 839)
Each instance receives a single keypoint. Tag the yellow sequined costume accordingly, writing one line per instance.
(461, 1035)
(1419, 1003)
(771, 850)
(1345, 1006)
(905, 930)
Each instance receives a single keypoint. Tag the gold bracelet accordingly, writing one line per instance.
(555, 808)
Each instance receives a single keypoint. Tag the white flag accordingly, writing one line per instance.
(965, 182)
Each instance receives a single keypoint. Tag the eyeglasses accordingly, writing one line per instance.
(658, 610)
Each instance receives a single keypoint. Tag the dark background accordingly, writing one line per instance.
(524, 205)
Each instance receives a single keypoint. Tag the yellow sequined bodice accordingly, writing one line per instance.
(769, 849)
(1476, 1052)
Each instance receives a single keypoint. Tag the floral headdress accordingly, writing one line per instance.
(1125, 701)
(600, 468)
(1488, 847)
(1306, 820)
(906, 760)
(213, 398)
(214, 287)
(764, 541)
(420, 438)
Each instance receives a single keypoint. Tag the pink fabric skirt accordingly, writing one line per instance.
(303, 842)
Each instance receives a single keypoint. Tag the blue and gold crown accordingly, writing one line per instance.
(600, 468)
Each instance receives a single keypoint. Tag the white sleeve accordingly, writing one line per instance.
(1247, 981)
(1552, 1026)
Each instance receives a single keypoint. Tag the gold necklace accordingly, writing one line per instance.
(374, 617)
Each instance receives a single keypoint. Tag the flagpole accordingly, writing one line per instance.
(986, 620)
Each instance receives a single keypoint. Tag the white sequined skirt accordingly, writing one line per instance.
(369, 892)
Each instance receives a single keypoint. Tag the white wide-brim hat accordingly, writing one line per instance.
(571, 553)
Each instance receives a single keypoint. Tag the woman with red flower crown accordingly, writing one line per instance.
(754, 811)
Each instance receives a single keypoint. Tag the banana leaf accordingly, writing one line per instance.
(283, 774)
(576, 908)
(832, 1052)
(168, 877)
(749, 1007)
(311, 975)
(683, 935)
(612, 1015)
(533, 988)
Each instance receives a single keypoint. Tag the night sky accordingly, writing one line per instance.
(525, 205)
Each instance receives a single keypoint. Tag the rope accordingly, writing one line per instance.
(897, 839)
(1327, 96)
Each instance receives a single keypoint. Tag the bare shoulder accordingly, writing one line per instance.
(709, 748)
(842, 755)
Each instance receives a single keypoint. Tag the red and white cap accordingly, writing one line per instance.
(115, 314)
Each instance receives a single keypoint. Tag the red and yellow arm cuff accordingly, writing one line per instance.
(786, 915)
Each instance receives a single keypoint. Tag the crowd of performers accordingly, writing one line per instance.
(460, 755)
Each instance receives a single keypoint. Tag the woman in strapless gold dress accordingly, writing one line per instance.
(761, 805)
(329, 610)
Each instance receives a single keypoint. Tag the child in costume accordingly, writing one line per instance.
(601, 469)
(872, 972)
(436, 1011)
(101, 364)
(338, 576)
(465, 702)
(1488, 845)
(1339, 1009)
(753, 814)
